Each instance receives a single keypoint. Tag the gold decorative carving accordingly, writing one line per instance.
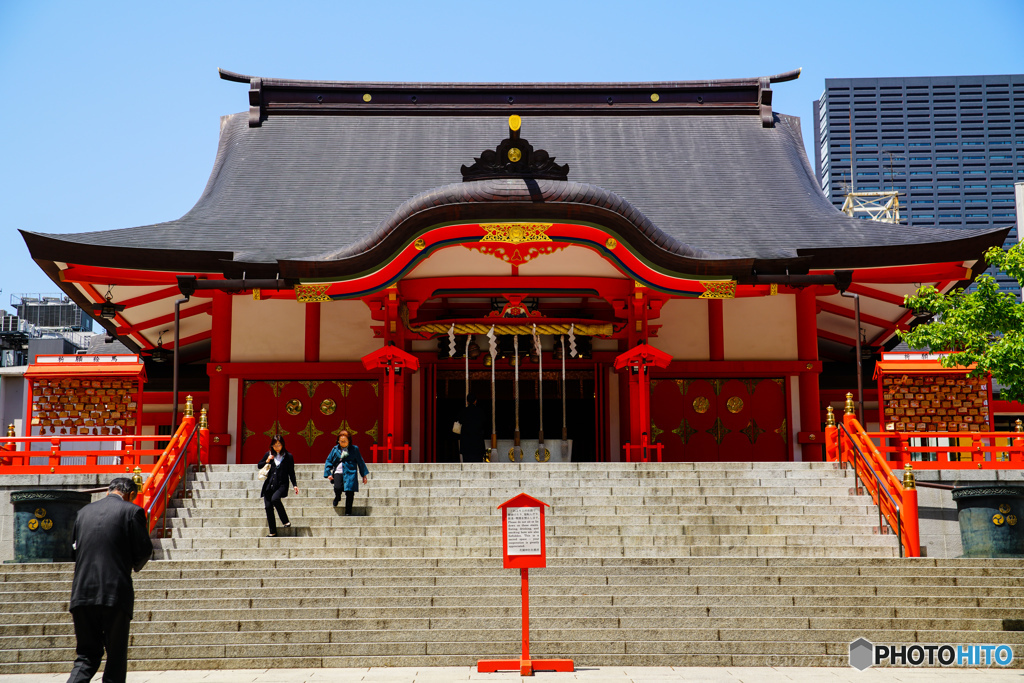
(717, 384)
(782, 431)
(655, 432)
(420, 244)
(309, 433)
(718, 431)
(542, 458)
(33, 524)
(309, 294)
(327, 406)
(773, 289)
(373, 432)
(47, 524)
(684, 431)
(734, 404)
(515, 233)
(514, 154)
(255, 295)
(701, 405)
(345, 425)
(998, 519)
(293, 407)
(274, 430)
(376, 388)
(277, 386)
(1004, 508)
(752, 431)
(684, 385)
(515, 122)
(345, 387)
(611, 243)
(311, 385)
(655, 97)
(751, 385)
(1011, 520)
(246, 433)
(367, 97)
(502, 329)
(719, 289)
(40, 512)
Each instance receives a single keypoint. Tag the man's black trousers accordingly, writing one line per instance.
(99, 628)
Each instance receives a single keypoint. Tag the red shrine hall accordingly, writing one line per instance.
(618, 271)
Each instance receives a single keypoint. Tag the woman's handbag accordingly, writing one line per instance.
(265, 471)
(457, 427)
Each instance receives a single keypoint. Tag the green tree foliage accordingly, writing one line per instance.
(984, 327)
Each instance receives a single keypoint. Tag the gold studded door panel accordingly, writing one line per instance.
(309, 414)
(720, 419)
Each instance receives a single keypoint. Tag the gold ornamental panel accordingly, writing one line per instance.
(327, 406)
(719, 289)
(309, 294)
(293, 407)
(734, 404)
(515, 233)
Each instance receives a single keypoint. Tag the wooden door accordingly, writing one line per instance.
(309, 414)
(737, 419)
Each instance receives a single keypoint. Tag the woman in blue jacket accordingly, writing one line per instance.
(342, 468)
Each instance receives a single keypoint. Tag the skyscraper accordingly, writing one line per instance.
(951, 146)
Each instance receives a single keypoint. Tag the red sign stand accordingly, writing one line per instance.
(522, 518)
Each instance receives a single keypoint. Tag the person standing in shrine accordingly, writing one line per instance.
(275, 486)
(343, 468)
(471, 437)
(111, 538)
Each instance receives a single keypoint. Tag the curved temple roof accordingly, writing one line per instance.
(297, 189)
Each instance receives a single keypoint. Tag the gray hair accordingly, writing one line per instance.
(123, 485)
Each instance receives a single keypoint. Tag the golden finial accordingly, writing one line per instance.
(189, 411)
(908, 477)
(203, 423)
(849, 410)
(830, 419)
(11, 433)
(1017, 426)
(137, 477)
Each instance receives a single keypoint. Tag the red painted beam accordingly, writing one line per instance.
(835, 309)
(123, 276)
(877, 294)
(169, 318)
(929, 272)
(838, 338)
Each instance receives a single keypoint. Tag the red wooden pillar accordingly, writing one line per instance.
(220, 352)
(312, 354)
(807, 351)
(716, 329)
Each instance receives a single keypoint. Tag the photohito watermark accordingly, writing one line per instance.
(864, 654)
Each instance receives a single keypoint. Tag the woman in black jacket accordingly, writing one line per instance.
(275, 486)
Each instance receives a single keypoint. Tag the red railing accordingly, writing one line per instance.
(877, 456)
(643, 450)
(188, 446)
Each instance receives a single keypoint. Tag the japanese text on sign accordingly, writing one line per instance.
(523, 530)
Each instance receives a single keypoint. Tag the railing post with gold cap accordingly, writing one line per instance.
(1017, 442)
(911, 525)
(139, 480)
(849, 417)
(831, 437)
(204, 441)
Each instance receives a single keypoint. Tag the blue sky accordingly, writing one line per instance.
(109, 113)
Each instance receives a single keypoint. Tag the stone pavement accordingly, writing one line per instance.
(608, 674)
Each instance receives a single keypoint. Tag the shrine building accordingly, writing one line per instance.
(359, 245)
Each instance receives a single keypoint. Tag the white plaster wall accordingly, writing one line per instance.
(572, 260)
(345, 333)
(760, 328)
(267, 331)
(232, 449)
(794, 410)
(459, 261)
(684, 329)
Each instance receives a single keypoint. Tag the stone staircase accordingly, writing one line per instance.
(733, 564)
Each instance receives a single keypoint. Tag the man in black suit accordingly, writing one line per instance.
(111, 538)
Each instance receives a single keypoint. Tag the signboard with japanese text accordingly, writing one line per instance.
(523, 538)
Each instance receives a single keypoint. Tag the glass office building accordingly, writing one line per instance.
(951, 146)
